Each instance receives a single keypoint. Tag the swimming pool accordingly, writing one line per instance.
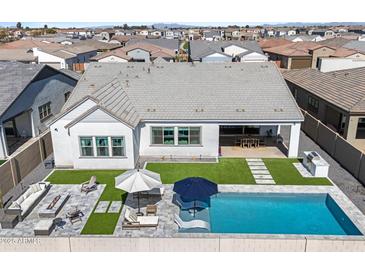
(278, 213)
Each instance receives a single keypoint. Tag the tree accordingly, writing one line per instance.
(125, 26)
(247, 27)
(18, 25)
(45, 26)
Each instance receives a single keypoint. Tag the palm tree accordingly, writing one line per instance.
(18, 25)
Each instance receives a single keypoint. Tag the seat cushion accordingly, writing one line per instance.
(148, 220)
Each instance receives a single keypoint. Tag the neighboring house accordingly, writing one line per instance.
(269, 33)
(73, 57)
(335, 98)
(212, 35)
(105, 35)
(30, 95)
(293, 55)
(19, 55)
(138, 52)
(173, 110)
(113, 56)
(323, 32)
(226, 51)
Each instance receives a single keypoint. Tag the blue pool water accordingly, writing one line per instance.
(310, 214)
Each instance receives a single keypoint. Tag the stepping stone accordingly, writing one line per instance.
(256, 164)
(265, 182)
(263, 177)
(254, 160)
(258, 171)
(258, 167)
(115, 207)
(102, 207)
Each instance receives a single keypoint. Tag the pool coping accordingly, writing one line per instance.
(354, 214)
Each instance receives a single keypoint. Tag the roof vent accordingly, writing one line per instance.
(199, 110)
(148, 70)
(264, 66)
(151, 110)
(278, 109)
(240, 109)
(127, 83)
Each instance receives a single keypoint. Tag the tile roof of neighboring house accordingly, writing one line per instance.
(98, 45)
(293, 49)
(31, 43)
(172, 44)
(71, 51)
(356, 45)
(154, 50)
(344, 89)
(21, 55)
(274, 42)
(14, 77)
(202, 48)
(343, 52)
(238, 92)
(116, 52)
(334, 42)
(305, 38)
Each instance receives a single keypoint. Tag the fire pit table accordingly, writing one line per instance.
(54, 206)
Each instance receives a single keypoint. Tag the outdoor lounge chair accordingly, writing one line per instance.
(131, 220)
(191, 224)
(190, 204)
(151, 210)
(89, 185)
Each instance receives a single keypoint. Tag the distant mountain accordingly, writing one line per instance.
(172, 26)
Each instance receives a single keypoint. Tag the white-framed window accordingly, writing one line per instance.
(118, 147)
(102, 146)
(86, 146)
(163, 135)
(45, 111)
(189, 136)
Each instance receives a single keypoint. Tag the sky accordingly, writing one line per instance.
(95, 24)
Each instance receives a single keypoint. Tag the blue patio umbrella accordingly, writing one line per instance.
(195, 188)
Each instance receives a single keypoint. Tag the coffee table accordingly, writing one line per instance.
(44, 212)
(44, 227)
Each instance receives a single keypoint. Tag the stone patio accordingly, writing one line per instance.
(84, 202)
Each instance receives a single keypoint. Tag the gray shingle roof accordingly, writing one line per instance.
(356, 45)
(14, 77)
(344, 89)
(172, 44)
(182, 91)
(200, 48)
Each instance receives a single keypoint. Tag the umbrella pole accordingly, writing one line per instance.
(139, 208)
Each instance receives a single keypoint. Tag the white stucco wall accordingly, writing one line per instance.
(254, 57)
(208, 148)
(66, 141)
(333, 64)
(60, 138)
(2, 143)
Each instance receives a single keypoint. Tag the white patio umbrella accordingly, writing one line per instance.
(137, 180)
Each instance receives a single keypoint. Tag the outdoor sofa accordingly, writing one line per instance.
(28, 200)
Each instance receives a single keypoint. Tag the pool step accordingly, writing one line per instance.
(260, 172)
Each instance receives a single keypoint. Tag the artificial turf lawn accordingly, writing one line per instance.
(227, 171)
(284, 173)
(98, 223)
(2, 161)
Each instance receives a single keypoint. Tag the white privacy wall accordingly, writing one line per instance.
(208, 148)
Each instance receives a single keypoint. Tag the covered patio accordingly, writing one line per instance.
(255, 141)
